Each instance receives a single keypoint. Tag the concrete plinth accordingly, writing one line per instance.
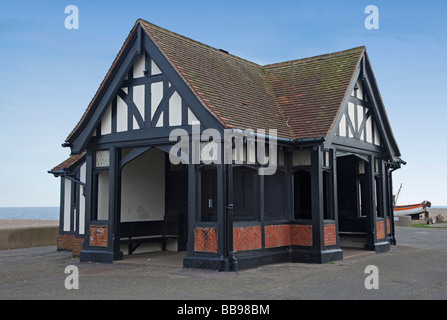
(16, 238)
(403, 221)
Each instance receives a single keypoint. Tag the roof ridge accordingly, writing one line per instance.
(220, 51)
(313, 58)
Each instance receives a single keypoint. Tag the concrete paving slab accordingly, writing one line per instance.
(158, 258)
(412, 270)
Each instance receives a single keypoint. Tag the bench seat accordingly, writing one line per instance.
(134, 242)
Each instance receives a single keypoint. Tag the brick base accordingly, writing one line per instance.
(70, 243)
(330, 238)
(247, 238)
(205, 239)
(286, 235)
(77, 247)
(380, 229)
(65, 242)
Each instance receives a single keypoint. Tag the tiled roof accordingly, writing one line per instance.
(70, 162)
(299, 98)
(311, 91)
(234, 90)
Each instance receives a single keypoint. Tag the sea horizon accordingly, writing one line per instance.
(31, 213)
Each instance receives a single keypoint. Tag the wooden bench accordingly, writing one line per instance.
(352, 233)
(136, 233)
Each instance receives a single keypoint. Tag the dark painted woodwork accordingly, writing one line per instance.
(177, 201)
(325, 194)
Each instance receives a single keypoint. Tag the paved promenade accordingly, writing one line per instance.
(414, 269)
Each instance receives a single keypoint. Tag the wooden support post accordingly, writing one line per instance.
(371, 218)
(317, 199)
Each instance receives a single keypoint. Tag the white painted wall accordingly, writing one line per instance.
(139, 66)
(155, 68)
(360, 89)
(351, 113)
(143, 188)
(369, 137)
(106, 121)
(192, 119)
(121, 115)
(156, 96)
(103, 195)
(175, 110)
(376, 135)
(360, 112)
(342, 126)
(67, 204)
(138, 99)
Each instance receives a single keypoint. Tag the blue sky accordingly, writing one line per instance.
(49, 74)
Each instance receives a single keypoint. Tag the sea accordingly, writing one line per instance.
(33, 213)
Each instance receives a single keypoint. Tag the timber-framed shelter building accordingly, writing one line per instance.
(334, 157)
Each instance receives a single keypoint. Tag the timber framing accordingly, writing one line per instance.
(335, 154)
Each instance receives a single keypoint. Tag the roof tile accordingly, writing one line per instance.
(299, 98)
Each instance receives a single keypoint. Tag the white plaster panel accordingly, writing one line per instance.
(369, 137)
(156, 96)
(160, 120)
(155, 68)
(103, 195)
(106, 121)
(192, 119)
(82, 172)
(359, 90)
(175, 110)
(376, 135)
(351, 113)
(143, 188)
(121, 115)
(67, 204)
(342, 126)
(139, 66)
(360, 110)
(138, 99)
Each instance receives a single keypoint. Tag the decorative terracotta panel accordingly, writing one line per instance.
(277, 236)
(330, 238)
(98, 236)
(205, 239)
(301, 235)
(286, 235)
(388, 226)
(247, 238)
(380, 229)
